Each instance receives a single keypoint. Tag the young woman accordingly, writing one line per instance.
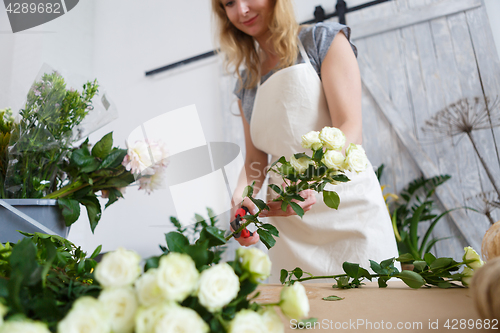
(298, 79)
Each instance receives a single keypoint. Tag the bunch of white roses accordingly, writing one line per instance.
(151, 302)
(333, 140)
(147, 161)
(472, 262)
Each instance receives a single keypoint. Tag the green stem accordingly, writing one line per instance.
(243, 226)
(271, 304)
(66, 190)
(330, 277)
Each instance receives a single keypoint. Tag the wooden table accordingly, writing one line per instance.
(395, 308)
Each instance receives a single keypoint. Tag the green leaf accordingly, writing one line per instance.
(214, 235)
(297, 209)
(382, 282)
(176, 242)
(284, 204)
(387, 263)
(70, 210)
(248, 191)
(276, 189)
(114, 159)
(440, 263)
(333, 298)
(102, 148)
(341, 178)
(281, 160)
(376, 267)
(271, 228)
(152, 262)
(113, 196)
(331, 199)
(96, 252)
(407, 257)
(429, 258)
(297, 272)
(198, 252)
(419, 265)
(318, 155)
(283, 276)
(93, 207)
(300, 155)
(364, 273)
(259, 203)
(351, 269)
(444, 285)
(266, 238)
(412, 279)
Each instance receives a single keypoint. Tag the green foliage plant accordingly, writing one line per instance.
(415, 206)
(42, 275)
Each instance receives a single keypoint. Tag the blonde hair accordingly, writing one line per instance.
(240, 48)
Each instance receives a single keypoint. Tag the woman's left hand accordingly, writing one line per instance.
(275, 206)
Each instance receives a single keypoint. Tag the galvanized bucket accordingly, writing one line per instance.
(30, 215)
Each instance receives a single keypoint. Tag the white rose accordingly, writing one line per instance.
(3, 312)
(356, 159)
(300, 165)
(177, 276)
(333, 160)
(180, 319)
(294, 301)
(151, 183)
(86, 315)
(272, 321)
(471, 255)
(332, 138)
(468, 273)
(247, 321)
(119, 268)
(146, 318)
(256, 262)
(138, 158)
(147, 288)
(26, 326)
(121, 304)
(144, 157)
(218, 285)
(311, 140)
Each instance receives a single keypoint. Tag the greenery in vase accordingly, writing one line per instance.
(42, 138)
(6, 124)
(38, 158)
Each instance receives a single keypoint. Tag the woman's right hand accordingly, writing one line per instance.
(253, 210)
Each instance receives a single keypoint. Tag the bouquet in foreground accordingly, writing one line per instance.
(40, 158)
(47, 285)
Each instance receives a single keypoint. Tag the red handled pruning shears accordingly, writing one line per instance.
(235, 224)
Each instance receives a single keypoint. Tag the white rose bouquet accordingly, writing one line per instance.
(326, 165)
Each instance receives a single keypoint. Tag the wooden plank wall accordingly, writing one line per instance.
(423, 68)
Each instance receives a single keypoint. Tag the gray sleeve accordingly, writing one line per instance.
(318, 38)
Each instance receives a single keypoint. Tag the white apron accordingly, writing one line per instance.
(287, 105)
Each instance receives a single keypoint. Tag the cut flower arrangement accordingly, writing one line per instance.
(38, 157)
(48, 285)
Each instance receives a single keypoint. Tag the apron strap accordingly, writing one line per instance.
(303, 53)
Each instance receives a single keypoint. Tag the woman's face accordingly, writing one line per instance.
(250, 16)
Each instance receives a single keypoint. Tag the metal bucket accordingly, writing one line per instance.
(30, 215)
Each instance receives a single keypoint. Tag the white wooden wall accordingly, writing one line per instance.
(417, 57)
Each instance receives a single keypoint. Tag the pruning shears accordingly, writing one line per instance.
(236, 223)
